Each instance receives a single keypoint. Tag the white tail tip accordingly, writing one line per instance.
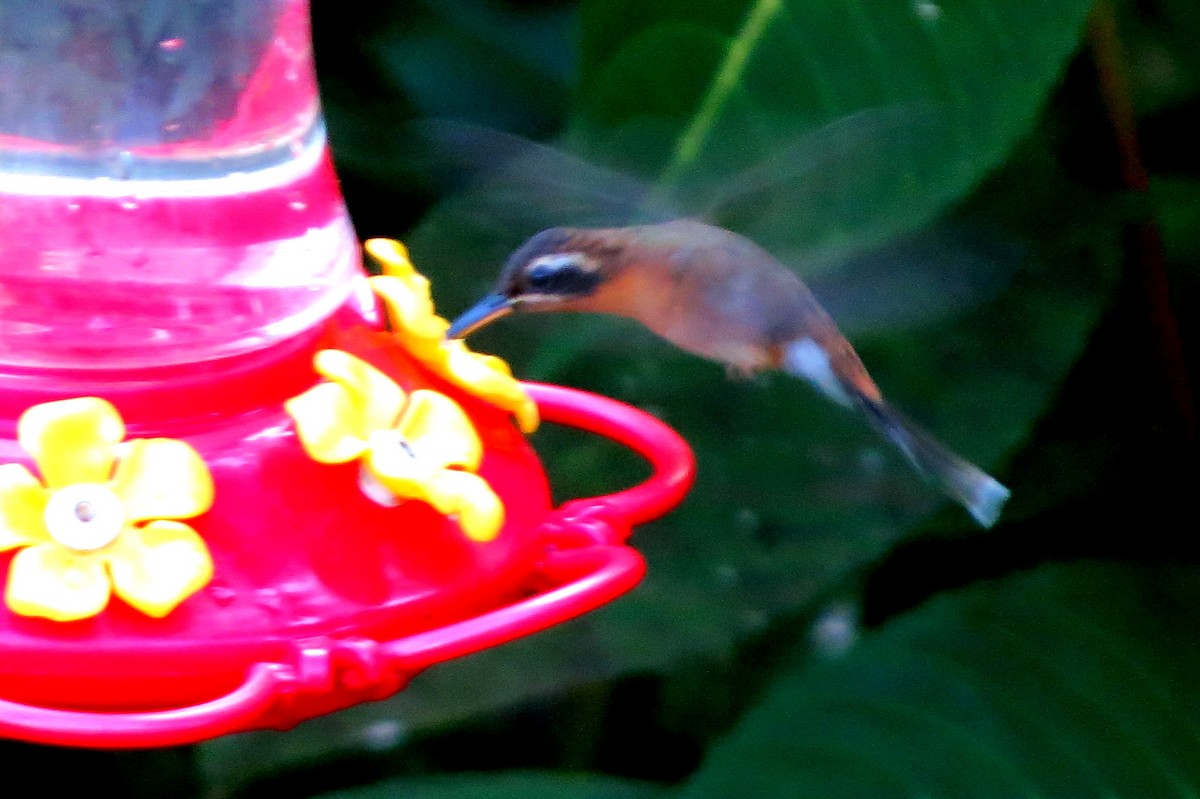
(989, 499)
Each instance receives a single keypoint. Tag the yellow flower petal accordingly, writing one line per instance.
(411, 315)
(433, 433)
(157, 566)
(397, 267)
(498, 365)
(162, 478)
(480, 512)
(392, 257)
(376, 395)
(334, 420)
(22, 507)
(405, 293)
(448, 491)
(439, 432)
(527, 415)
(72, 440)
(327, 423)
(490, 379)
(51, 582)
(406, 476)
(398, 271)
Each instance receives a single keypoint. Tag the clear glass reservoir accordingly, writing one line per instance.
(166, 193)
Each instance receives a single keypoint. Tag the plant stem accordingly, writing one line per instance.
(1147, 256)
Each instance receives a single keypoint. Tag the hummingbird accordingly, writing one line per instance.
(719, 295)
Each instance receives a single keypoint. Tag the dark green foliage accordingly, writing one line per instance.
(1068, 681)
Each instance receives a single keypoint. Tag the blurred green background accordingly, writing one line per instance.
(1000, 201)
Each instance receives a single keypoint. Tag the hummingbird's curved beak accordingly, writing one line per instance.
(484, 312)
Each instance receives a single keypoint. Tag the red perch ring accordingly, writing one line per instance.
(320, 598)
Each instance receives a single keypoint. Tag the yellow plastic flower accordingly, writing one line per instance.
(101, 519)
(405, 293)
(417, 446)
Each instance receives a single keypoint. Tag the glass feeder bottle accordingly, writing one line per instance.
(166, 194)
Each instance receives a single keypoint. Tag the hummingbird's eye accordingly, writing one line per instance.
(561, 274)
(541, 277)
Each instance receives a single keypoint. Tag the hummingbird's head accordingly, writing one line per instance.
(549, 272)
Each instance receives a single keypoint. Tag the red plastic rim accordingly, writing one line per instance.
(585, 563)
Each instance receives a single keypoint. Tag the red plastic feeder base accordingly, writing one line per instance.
(320, 598)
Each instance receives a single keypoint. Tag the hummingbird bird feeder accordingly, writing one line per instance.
(241, 482)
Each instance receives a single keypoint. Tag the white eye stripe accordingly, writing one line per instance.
(564, 260)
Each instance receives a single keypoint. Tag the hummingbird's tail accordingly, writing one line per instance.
(981, 494)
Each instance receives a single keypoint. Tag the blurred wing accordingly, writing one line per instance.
(510, 183)
(503, 188)
(919, 279)
(838, 187)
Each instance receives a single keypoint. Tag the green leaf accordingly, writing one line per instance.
(1070, 681)
(1160, 57)
(694, 93)
(503, 785)
(1177, 210)
(389, 62)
